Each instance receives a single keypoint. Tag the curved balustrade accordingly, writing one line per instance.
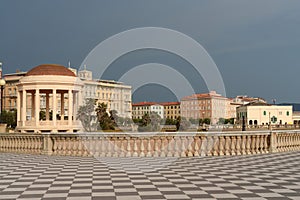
(181, 144)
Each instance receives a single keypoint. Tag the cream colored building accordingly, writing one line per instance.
(115, 94)
(57, 84)
(199, 106)
(233, 103)
(259, 113)
(142, 108)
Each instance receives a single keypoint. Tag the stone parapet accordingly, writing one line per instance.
(179, 144)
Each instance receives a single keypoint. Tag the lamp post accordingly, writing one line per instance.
(2, 83)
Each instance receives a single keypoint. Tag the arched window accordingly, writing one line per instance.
(265, 112)
(250, 122)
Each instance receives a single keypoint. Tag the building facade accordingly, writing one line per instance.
(233, 103)
(115, 94)
(10, 90)
(259, 113)
(142, 108)
(200, 106)
(171, 109)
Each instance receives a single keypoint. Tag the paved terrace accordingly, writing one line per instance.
(264, 176)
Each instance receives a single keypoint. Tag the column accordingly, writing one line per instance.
(24, 107)
(62, 106)
(18, 108)
(75, 104)
(80, 101)
(37, 107)
(70, 113)
(47, 106)
(32, 106)
(54, 109)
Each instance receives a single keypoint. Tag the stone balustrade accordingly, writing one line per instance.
(179, 144)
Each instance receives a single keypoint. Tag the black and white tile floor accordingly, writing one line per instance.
(269, 176)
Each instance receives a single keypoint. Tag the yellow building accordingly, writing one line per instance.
(171, 109)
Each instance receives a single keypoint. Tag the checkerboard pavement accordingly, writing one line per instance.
(269, 176)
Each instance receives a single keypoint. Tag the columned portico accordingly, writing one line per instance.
(52, 100)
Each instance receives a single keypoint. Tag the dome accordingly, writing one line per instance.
(50, 69)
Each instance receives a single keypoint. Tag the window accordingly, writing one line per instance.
(265, 112)
(287, 113)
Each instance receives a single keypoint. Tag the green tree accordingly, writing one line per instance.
(230, 121)
(9, 118)
(105, 120)
(182, 123)
(222, 121)
(206, 120)
(86, 114)
(150, 122)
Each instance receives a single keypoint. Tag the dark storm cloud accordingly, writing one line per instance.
(254, 43)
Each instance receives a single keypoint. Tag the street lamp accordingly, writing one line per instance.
(2, 83)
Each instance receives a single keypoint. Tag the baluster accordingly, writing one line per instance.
(128, 154)
(227, 145)
(182, 154)
(163, 147)
(170, 146)
(261, 144)
(122, 148)
(266, 146)
(209, 145)
(196, 146)
(257, 144)
(85, 146)
(156, 151)
(142, 153)
(116, 148)
(233, 145)
(221, 145)
(203, 146)
(238, 145)
(253, 144)
(103, 146)
(109, 147)
(59, 146)
(248, 144)
(149, 154)
(176, 146)
(190, 146)
(75, 146)
(97, 144)
(68, 146)
(215, 145)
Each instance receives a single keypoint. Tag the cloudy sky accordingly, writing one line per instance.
(255, 44)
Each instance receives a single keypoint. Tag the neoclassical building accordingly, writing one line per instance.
(61, 90)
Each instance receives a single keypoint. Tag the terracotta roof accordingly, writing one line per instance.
(169, 103)
(50, 69)
(202, 96)
(144, 104)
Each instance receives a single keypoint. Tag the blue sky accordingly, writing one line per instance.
(255, 43)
